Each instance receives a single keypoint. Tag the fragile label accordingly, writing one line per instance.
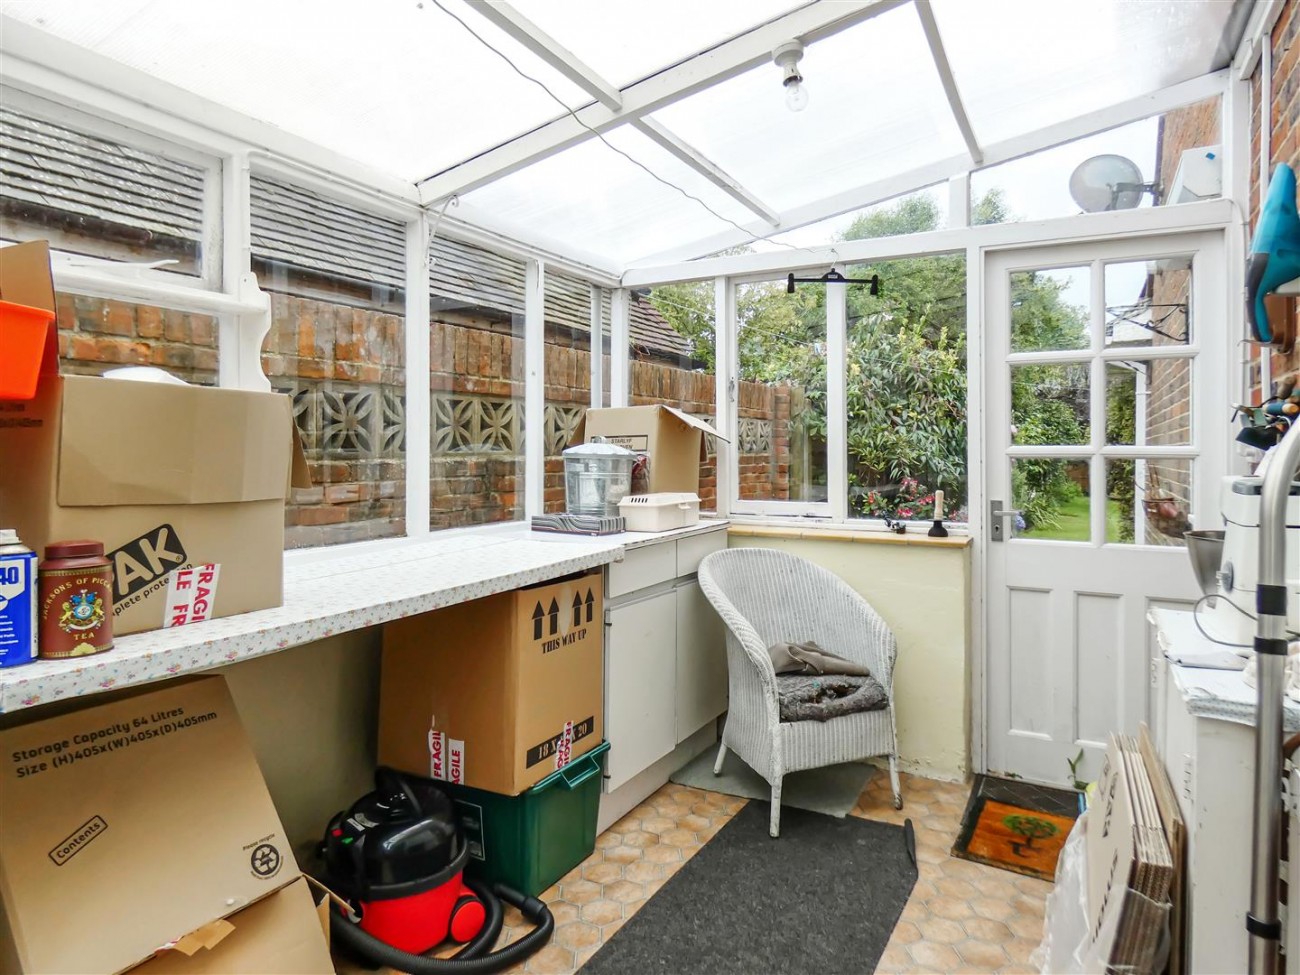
(446, 758)
(564, 750)
(191, 594)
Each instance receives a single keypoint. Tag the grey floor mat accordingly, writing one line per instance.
(822, 898)
(832, 790)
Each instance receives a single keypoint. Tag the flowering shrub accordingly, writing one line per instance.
(909, 500)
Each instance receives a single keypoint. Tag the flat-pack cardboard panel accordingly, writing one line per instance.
(279, 935)
(123, 442)
(496, 693)
(25, 275)
(127, 825)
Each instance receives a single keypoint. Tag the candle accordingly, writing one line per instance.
(938, 505)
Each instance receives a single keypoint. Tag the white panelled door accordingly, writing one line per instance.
(1107, 430)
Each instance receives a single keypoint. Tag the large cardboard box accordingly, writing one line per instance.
(168, 477)
(125, 826)
(496, 693)
(279, 935)
(672, 443)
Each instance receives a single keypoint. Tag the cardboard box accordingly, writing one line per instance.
(497, 693)
(279, 935)
(127, 825)
(672, 442)
(167, 477)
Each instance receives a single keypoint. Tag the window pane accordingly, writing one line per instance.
(1178, 159)
(905, 385)
(1049, 309)
(1148, 303)
(1150, 501)
(914, 213)
(1149, 402)
(1053, 497)
(476, 383)
(97, 334)
(781, 440)
(673, 361)
(337, 347)
(88, 193)
(1049, 404)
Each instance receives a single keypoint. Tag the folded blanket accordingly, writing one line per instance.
(809, 658)
(815, 698)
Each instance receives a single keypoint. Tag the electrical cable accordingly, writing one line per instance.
(574, 115)
(1224, 643)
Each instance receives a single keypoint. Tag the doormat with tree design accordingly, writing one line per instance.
(1016, 826)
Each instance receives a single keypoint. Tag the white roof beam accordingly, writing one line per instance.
(809, 23)
(1132, 110)
(941, 65)
(706, 168)
(548, 49)
(562, 60)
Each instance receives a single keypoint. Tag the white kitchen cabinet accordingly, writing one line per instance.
(665, 665)
(701, 661)
(640, 685)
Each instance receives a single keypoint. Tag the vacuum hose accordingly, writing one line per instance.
(473, 959)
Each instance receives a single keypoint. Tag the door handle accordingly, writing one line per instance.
(997, 527)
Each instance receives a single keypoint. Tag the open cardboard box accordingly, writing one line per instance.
(168, 477)
(672, 443)
(131, 826)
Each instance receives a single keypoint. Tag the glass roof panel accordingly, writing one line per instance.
(349, 75)
(594, 200)
(665, 32)
(1037, 63)
(875, 109)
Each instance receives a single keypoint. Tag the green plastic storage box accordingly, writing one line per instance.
(531, 840)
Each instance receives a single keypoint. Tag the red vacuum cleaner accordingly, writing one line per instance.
(397, 856)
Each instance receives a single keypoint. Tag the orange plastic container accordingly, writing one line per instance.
(22, 342)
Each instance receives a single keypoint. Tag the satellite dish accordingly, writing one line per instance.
(1107, 182)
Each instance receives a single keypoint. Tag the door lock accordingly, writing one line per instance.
(997, 527)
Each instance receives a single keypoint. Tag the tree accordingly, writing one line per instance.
(1031, 828)
(906, 362)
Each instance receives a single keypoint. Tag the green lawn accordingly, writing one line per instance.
(1074, 523)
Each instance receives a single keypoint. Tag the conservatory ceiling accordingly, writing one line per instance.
(902, 94)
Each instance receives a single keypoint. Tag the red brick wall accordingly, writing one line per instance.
(344, 368)
(96, 333)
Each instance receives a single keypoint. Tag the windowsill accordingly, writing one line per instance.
(915, 535)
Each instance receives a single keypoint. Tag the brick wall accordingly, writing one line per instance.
(344, 368)
(95, 333)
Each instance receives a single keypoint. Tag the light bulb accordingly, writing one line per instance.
(796, 96)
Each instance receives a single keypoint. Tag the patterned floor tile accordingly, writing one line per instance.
(961, 916)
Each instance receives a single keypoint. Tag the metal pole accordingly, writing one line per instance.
(1270, 656)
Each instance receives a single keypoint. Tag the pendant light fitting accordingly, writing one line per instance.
(786, 57)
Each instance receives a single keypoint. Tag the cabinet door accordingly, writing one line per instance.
(640, 686)
(701, 661)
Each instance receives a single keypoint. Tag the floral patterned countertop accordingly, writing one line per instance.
(327, 596)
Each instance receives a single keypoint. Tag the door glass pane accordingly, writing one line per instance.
(1149, 402)
(1049, 404)
(1148, 303)
(1149, 501)
(1049, 309)
(1052, 495)
(781, 341)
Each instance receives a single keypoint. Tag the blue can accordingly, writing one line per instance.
(17, 601)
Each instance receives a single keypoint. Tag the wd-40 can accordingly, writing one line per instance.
(17, 601)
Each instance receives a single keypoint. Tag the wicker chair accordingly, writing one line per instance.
(766, 596)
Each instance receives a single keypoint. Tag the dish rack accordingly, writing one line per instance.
(659, 512)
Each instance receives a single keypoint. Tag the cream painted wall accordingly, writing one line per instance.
(312, 715)
(923, 593)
